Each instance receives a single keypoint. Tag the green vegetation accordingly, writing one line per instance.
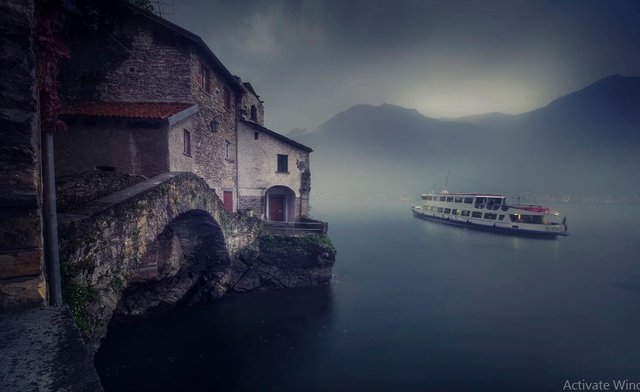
(276, 245)
(78, 299)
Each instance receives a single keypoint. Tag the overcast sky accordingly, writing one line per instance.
(310, 59)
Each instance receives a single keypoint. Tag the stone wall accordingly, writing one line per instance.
(211, 163)
(117, 56)
(178, 160)
(88, 144)
(258, 172)
(22, 281)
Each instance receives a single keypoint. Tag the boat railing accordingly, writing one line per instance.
(302, 227)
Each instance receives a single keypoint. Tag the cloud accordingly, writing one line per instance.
(309, 59)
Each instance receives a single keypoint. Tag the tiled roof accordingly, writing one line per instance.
(139, 110)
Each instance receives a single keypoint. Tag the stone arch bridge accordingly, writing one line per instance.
(166, 241)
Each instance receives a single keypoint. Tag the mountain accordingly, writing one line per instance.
(586, 142)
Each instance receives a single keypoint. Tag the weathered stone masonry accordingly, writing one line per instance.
(22, 279)
(144, 58)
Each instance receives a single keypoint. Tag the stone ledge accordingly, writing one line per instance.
(41, 350)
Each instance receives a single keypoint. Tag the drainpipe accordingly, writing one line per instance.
(238, 103)
(52, 258)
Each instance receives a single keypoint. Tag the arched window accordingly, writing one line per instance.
(254, 113)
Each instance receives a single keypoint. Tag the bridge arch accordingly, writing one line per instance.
(105, 247)
(182, 260)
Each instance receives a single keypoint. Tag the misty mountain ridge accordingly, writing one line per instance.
(584, 142)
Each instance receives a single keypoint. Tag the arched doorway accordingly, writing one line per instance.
(280, 204)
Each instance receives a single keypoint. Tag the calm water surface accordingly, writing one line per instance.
(414, 306)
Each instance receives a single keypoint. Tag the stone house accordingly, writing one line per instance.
(136, 138)
(274, 180)
(134, 61)
(154, 98)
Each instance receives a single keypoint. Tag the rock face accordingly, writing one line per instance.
(169, 241)
(285, 262)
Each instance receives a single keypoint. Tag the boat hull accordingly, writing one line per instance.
(489, 228)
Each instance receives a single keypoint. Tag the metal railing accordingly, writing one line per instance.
(300, 228)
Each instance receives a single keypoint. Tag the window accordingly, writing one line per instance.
(535, 219)
(440, 209)
(255, 135)
(206, 78)
(283, 163)
(227, 150)
(254, 113)
(447, 210)
(489, 215)
(227, 98)
(466, 212)
(468, 200)
(458, 200)
(186, 139)
(501, 217)
(449, 199)
(456, 211)
(442, 198)
(493, 203)
(476, 214)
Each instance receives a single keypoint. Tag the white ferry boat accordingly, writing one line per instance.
(490, 213)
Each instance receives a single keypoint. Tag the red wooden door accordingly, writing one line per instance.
(276, 208)
(227, 198)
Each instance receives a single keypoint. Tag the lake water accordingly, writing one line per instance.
(414, 306)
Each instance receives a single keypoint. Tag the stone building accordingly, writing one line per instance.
(135, 58)
(137, 138)
(274, 180)
(154, 98)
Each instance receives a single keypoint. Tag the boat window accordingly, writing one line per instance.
(433, 208)
(493, 203)
(476, 214)
(466, 212)
(449, 199)
(458, 200)
(480, 202)
(534, 219)
(456, 211)
(468, 200)
(447, 210)
(442, 198)
(501, 217)
(489, 215)
(440, 209)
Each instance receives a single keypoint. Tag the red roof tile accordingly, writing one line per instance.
(142, 110)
